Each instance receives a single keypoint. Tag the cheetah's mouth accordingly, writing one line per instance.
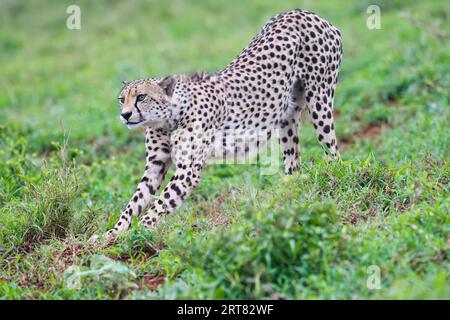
(131, 124)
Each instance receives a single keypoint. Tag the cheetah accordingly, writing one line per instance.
(290, 66)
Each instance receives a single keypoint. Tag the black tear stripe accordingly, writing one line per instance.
(137, 108)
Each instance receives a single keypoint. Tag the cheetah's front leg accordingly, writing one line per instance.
(179, 187)
(189, 157)
(158, 160)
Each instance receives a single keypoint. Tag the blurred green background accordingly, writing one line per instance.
(68, 166)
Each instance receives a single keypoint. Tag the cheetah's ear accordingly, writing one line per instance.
(125, 83)
(168, 84)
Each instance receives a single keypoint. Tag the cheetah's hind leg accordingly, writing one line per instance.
(320, 107)
(288, 132)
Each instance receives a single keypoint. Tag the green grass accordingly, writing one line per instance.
(68, 166)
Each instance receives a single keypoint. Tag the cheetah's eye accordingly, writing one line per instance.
(121, 100)
(141, 97)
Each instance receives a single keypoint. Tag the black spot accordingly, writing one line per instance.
(158, 163)
(176, 189)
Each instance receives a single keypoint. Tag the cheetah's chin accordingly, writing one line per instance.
(132, 125)
(157, 123)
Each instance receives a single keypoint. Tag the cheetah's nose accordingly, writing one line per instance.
(126, 115)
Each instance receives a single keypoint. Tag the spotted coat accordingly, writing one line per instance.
(290, 66)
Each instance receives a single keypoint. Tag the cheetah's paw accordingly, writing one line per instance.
(103, 240)
(150, 219)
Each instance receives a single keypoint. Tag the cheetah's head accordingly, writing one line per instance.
(146, 101)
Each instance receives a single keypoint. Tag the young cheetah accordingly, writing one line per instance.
(291, 65)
